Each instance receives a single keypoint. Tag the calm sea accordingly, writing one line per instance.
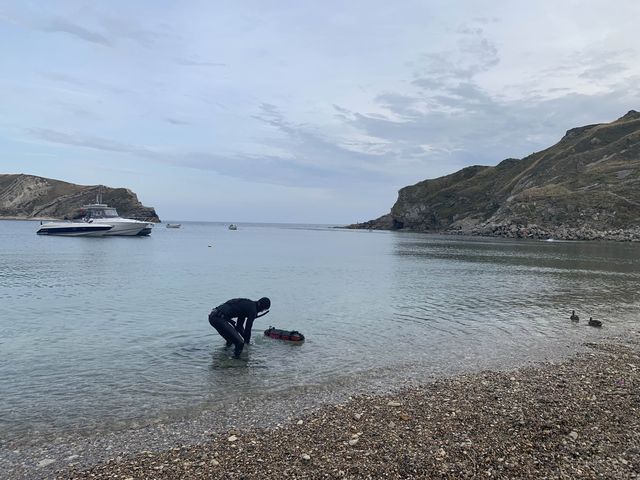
(104, 333)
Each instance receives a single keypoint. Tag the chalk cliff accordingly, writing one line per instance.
(587, 186)
(31, 197)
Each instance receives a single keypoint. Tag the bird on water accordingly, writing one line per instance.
(594, 323)
(574, 317)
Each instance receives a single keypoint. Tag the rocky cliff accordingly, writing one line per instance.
(587, 186)
(31, 197)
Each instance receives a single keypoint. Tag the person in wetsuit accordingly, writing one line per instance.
(243, 310)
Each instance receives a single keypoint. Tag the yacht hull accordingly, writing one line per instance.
(74, 229)
(126, 229)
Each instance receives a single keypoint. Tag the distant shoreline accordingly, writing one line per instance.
(45, 219)
(32, 219)
(521, 233)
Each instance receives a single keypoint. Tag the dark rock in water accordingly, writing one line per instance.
(586, 187)
(385, 222)
(31, 197)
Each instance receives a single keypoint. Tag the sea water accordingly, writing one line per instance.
(109, 333)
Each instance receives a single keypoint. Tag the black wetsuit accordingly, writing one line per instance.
(244, 310)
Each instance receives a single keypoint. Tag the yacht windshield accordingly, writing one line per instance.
(102, 213)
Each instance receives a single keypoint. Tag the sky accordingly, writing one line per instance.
(302, 112)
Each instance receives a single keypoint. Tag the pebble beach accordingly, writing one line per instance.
(578, 418)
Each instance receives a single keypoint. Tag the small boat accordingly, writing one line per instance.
(233, 226)
(74, 229)
(174, 225)
(289, 335)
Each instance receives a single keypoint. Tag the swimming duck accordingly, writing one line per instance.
(574, 317)
(594, 323)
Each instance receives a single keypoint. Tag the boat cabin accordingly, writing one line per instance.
(99, 211)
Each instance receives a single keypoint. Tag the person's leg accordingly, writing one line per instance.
(226, 331)
(231, 335)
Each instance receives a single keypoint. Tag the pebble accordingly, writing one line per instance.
(486, 436)
(45, 462)
(232, 438)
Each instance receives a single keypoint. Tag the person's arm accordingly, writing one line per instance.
(247, 330)
(240, 326)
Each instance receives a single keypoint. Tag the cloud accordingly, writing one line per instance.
(603, 71)
(123, 27)
(439, 70)
(177, 121)
(105, 30)
(60, 25)
(188, 62)
(486, 20)
(84, 84)
(463, 123)
(307, 148)
(275, 169)
(63, 138)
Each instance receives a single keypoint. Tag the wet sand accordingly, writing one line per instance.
(579, 418)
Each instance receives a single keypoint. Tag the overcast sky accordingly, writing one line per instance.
(290, 111)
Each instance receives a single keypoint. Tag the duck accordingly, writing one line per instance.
(574, 317)
(594, 323)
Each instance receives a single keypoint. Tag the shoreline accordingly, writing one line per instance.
(31, 219)
(631, 235)
(47, 219)
(579, 417)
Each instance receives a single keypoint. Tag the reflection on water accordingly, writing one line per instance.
(112, 332)
(490, 286)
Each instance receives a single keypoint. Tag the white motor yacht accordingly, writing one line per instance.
(102, 213)
(74, 229)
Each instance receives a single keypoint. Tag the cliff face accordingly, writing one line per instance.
(586, 186)
(28, 196)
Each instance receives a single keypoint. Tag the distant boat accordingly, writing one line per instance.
(233, 226)
(174, 225)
